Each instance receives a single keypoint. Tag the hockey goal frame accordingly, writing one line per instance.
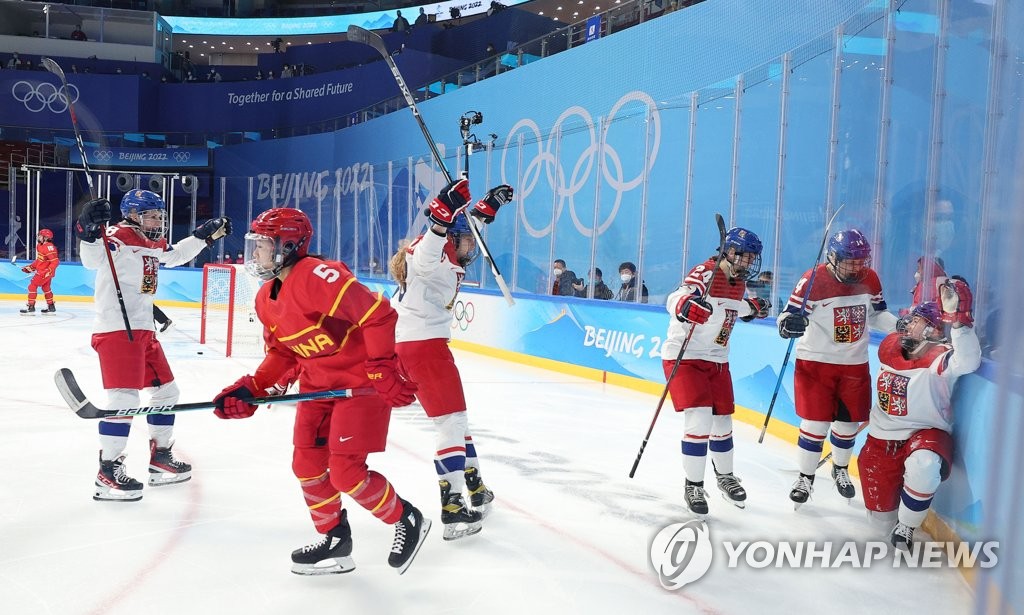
(232, 271)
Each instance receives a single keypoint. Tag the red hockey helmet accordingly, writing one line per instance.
(288, 229)
(46, 234)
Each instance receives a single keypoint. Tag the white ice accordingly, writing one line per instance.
(570, 532)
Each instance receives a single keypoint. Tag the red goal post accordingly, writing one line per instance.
(229, 311)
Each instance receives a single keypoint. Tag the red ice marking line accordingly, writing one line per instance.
(160, 556)
(645, 576)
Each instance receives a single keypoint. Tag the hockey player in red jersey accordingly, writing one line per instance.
(702, 385)
(137, 248)
(429, 271)
(909, 450)
(44, 267)
(832, 382)
(340, 335)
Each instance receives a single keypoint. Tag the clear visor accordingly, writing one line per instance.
(262, 257)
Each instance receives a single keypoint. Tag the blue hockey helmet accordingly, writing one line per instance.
(462, 237)
(140, 205)
(745, 261)
(931, 314)
(849, 254)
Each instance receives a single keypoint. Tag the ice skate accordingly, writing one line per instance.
(114, 485)
(164, 468)
(841, 476)
(696, 498)
(802, 490)
(410, 532)
(329, 555)
(459, 521)
(902, 536)
(166, 325)
(49, 309)
(731, 489)
(480, 497)
(31, 309)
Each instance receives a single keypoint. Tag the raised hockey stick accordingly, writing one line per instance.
(72, 393)
(55, 68)
(825, 459)
(664, 393)
(792, 340)
(362, 35)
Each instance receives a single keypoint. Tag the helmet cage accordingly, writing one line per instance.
(742, 241)
(849, 255)
(458, 231)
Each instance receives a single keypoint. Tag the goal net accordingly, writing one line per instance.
(229, 311)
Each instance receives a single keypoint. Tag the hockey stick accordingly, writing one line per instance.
(792, 340)
(664, 393)
(55, 68)
(825, 459)
(72, 393)
(362, 35)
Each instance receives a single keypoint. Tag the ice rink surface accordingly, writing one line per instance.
(570, 532)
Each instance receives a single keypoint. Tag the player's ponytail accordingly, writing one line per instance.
(398, 267)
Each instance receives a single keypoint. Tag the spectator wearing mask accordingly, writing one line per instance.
(564, 279)
(601, 290)
(627, 292)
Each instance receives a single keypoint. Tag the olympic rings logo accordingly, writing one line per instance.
(102, 154)
(182, 156)
(464, 314)
(548, 159)
(43, 95)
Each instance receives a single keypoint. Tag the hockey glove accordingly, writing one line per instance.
(449, 203)
(487, 207)
(793, 326)
(692, 308)
(212, 230)
(957, 301)
(231, 402)
(90, 223)
(758, 308)
(26, 269)
(389, 384)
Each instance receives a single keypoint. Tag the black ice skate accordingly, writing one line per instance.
(902, 536)
(802, 490)
(696, 498)
(480, 497)
(31, 309)
(459, 521)
(49, 309)
(844, 485)
(164, 468)
(329, 555)
(114, 485)
(166, 325)
(731, 489)
(410, 531)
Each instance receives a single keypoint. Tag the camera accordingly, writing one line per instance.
(470, 118)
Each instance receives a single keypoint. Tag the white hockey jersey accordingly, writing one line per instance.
(710, 341)
(839, 316)
(432, 281)
(914, 394)
(137, 261)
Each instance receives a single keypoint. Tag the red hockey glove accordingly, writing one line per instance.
(384, 376)
(487, 207)
(692, 308)
(26, 269)
(758, 308)
(957, 300)
(231, 402)
(449, 203)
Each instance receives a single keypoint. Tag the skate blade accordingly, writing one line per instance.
(736, 503)
(117, 496)
(159, 479)
(456, 531)
(424, 530)
(28, 313)
(334, 565)
(484, 509)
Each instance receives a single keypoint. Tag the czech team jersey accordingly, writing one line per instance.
(137, 260)
(710, 341)
(323, 320)
(914, 394)
(432, 282)
(46, 260)
(839, 316)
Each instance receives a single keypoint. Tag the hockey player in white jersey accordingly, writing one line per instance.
(702, 385)
(429, 271)
(909, 450)
(137, 248)
(832, 383)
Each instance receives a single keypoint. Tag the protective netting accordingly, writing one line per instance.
(229, 311)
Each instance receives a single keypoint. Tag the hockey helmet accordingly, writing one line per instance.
(146, 210)
(929, 314)
(849, 255)
(289, 232)
(745, 262)
(461, 235)
(46, 234)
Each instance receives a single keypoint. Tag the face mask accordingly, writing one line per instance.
(626, 277)
(944, 234)
(558, 271)
(917, 277)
